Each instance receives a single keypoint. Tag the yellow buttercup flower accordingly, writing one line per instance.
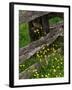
(59, 73)
(53, 66)
(55, 58)
(58, 67)
(23, 65)
(44, 53)
(45, 50)
(40, 51)
(53, 49)
(34, 75)
(40, 59)
(42, 75)
(20, 65)
(56, 76)
(38, 55)
(61, 63)
(36, 72)
(46, 76)
(47, 44)
(37, 30)
(48, 49)
(45, 56)
(54, 70)
(41, 56)
(43, 47)
(41, 27)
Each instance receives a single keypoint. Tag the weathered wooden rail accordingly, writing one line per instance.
(27, 16)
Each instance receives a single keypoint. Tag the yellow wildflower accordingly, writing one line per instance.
(46, 76)
(48, 49)
(23, 65)
(47, 44)
(55, 58)
(41, 27)
(58, 67)
(38, 55)
(45, 50)
(42, 75)
(43, 47)
(34, 75)
(37, 30)
(45, 56)
(54, 70)
(44, 53)
(36, 72)
(59, 73)
(53, 66)
(61, 63)
(41, 56)
(40, 59)
(40, 51)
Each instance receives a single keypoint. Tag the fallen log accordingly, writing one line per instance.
(32, 48)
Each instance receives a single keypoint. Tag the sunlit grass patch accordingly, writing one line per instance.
(24, 38)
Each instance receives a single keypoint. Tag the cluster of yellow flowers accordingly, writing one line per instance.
(22, 65)
(43, 52)
(39, 32)
(36, 31)
(42, 55)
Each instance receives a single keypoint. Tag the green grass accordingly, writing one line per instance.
(55, 60)
(24, 38)
(55, 67)
(27, 63)
(55, 20)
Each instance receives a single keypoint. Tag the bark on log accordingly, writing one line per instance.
(32, 48)
(27, 16)
(27, 73)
